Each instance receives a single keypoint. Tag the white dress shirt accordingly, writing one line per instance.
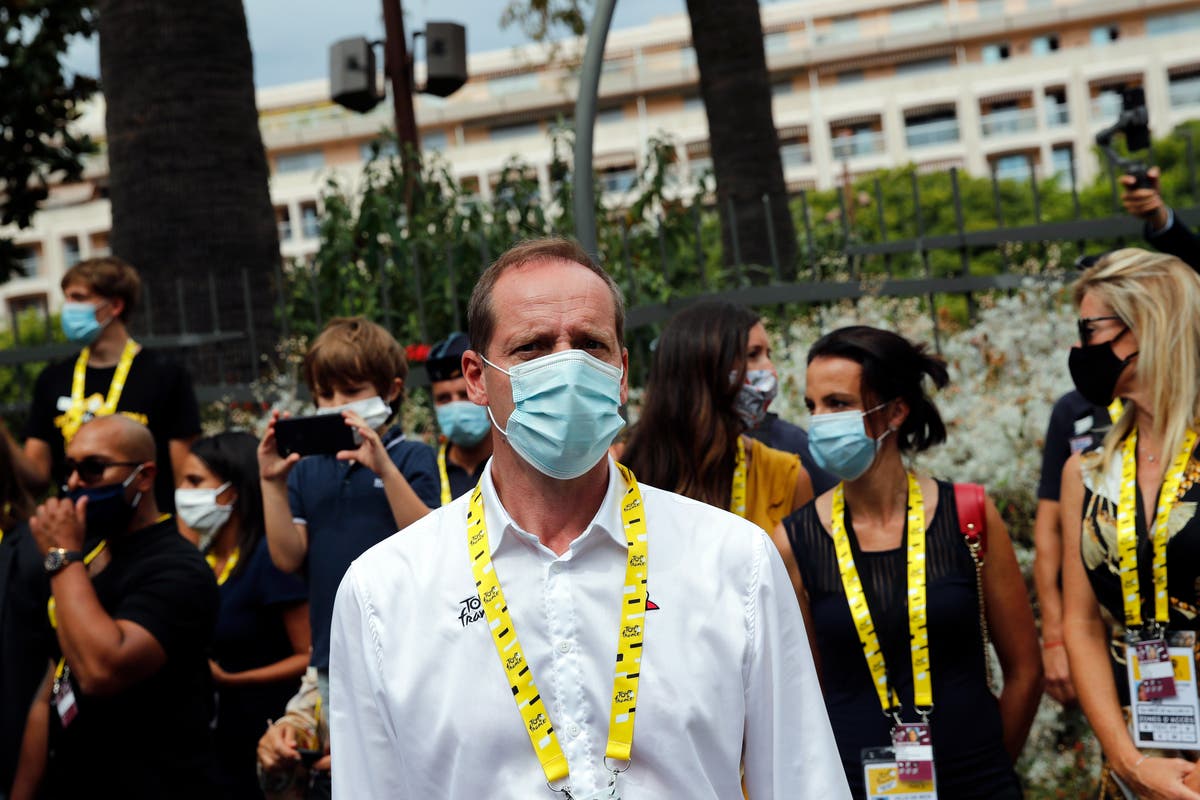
(421, 706)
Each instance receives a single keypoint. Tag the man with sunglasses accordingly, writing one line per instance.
(112, 374)
(125, 705)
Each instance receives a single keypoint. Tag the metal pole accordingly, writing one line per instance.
(585, 123)
(399, 70)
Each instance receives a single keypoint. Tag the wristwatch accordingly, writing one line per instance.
(59, 557)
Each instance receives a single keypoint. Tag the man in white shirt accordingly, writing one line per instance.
(583, 633)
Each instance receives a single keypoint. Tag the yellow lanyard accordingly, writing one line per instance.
(1127, 544)
(230, 563)
(629, 644)
(446, 495)
(51, 607)
(1115, 409)
(75, 415)
(918, 631)
(737, 501)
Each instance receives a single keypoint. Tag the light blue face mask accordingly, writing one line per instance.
(79, 322)
(839, 442)
(565, 411)
(463, 423)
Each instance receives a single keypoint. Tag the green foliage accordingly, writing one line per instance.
(37, 104)
(16, 382)
(415, 275)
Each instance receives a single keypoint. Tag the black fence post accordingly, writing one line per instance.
(766, 201)
(814, 265)
(959, 224)
(883, 232)
(251, 337)
(731, 212)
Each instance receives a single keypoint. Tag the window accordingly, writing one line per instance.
(917, 18)
(500, 133)
(618, 180)
(1165, 24)
(1043, 45)
(1062, 161)
(924, 65)
(848, 76)
(1016, 167)
(513, 84)
(433, 141)
(688, 56)
(310, 223)
(386, 147)
(994, 53)
(607, 116)
(1038, 5)
(71, 251)
(303, 161)
(991, 8)
(795, 153)
(776, 42)
(858, 139)
(693, 103)
(780, 88)
(1105, 34)
(283, 221)
(841, 29)
(29, 258)
(1184, 90)
(1057, 113)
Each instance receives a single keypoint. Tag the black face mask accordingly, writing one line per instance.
(108, 512)
(1095, 369)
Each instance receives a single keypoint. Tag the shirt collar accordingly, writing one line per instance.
(606, 522)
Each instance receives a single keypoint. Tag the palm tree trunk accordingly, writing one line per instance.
(735, 86)
(188, 173)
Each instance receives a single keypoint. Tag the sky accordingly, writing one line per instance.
(291, 38)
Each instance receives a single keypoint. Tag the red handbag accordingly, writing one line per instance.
(971, 499)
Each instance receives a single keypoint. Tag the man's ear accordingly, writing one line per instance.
(624, 375)
(472, 367)
(144, 482)
(117, 305)
(395, 392)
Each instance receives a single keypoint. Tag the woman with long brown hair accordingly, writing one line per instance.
(711, 380)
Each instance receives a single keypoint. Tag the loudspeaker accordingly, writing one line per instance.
(352, 80)
(445, 58)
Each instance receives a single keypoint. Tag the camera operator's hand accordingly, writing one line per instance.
(1146, 203)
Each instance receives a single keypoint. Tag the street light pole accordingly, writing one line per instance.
(399, 70)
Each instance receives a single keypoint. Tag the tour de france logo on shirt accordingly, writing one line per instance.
(471, 609)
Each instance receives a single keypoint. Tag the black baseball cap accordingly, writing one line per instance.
(445, 358)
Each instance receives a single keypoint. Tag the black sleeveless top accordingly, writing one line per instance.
(1101, 560)
(968, 744)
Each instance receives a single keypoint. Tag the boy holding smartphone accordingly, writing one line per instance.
(323, 511)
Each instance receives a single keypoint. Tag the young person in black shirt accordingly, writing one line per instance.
(125, 705)
(112, 374)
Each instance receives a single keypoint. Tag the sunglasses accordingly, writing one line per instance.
(1084, 324)
(91, 469)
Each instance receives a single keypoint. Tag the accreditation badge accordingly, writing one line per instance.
(1156, 666)
(62, 696)
(882, 781)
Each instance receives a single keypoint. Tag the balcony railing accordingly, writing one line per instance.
(285, 230)
(310, 227)
(864, 143)
(618, 182)
(797, 154)
(1106, 107)
(927, 134)
(1185, 92)
(1008, 121)
(1057, 115)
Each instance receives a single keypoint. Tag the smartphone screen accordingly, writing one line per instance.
(323, 434)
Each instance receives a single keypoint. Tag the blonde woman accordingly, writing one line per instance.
(1129, 522)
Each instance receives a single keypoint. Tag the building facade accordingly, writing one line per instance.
(1016, 88)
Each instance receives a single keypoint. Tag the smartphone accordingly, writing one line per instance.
(322, 434)
(309, 757)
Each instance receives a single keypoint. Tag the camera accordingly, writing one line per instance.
(1134, 124)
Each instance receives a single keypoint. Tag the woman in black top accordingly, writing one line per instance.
(1139, 326)
(864, 392)
(262, 638)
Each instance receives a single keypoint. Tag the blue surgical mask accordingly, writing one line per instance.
(108, 513)
(463, 423)
(839, 442)
(79, 322)
(565, 411)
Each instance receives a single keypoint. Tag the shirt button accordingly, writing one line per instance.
(564, 646)
(573, 730)
(556, 568)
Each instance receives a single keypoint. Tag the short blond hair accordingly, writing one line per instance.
(110, 277)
